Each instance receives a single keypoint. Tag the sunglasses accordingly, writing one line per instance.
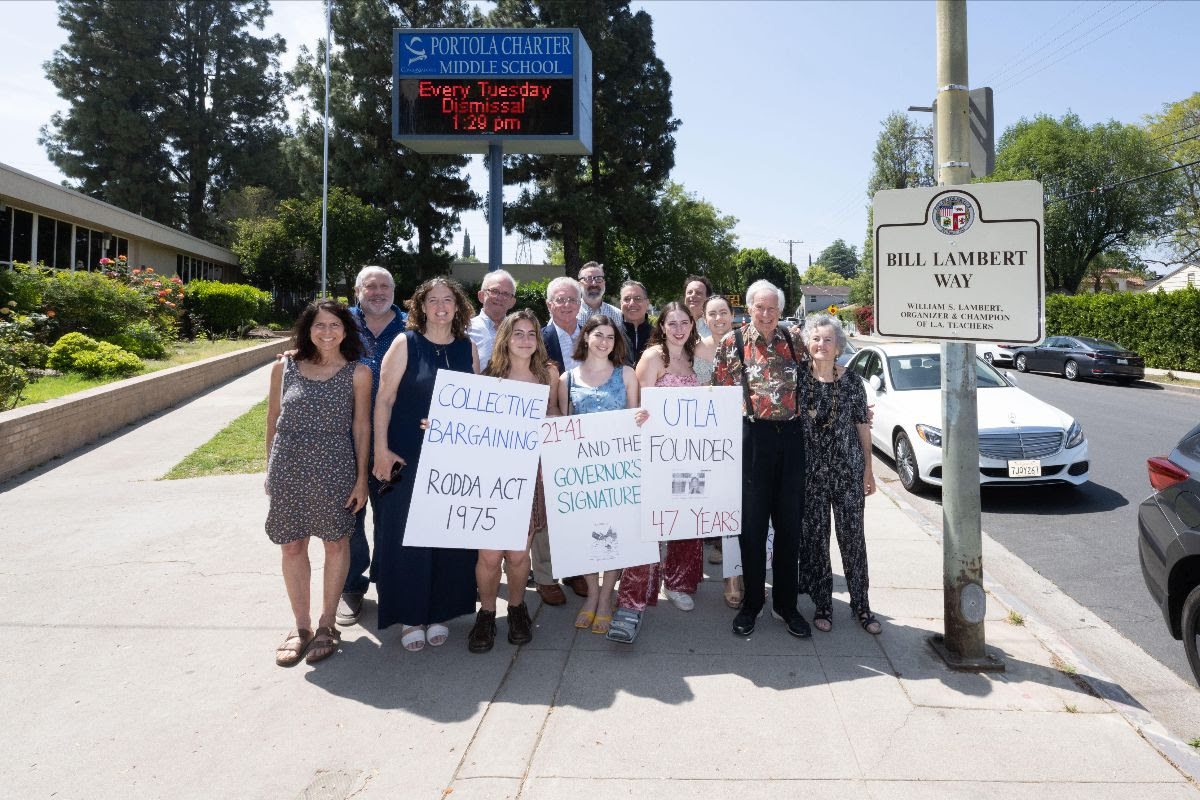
(393, 479)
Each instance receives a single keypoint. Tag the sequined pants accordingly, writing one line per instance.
(681, 571)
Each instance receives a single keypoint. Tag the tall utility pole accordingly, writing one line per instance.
(325, 153)
(789, 243)
(963, 646)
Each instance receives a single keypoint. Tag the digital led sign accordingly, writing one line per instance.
(461, 90)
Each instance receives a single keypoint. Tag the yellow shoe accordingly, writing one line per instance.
(583, 620)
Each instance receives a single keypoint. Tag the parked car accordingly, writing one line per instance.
(847, 353)
(1169, 541)
(1076, 357)
(1022, 440)
(996, 352)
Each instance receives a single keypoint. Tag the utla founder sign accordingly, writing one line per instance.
(960, 263)
(475, 481)
(457, 90)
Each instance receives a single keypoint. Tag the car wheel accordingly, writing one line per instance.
(987, 357)
(1190, 627)
(1022, 364)
(1071, 370)
(906, 464)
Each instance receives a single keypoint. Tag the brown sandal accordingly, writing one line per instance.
(292, 650)
(324, 644)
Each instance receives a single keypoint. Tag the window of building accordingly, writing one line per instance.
(6, 236)
(122, 247)
(22, 236)
(1191, 279)
(82, 238)
(45, 240)
(62, 246)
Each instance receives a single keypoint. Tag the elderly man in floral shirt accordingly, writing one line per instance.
(770, 366)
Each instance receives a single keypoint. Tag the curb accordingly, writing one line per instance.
(1175, 751)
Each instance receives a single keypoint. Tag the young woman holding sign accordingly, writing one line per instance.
(419, 587)
(668, 361)
(719, 317)
(519, 354)
(601, 382)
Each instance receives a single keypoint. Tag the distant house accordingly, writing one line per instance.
(1114, 280)
(818, 298)
(1186, 276)
(41, 221)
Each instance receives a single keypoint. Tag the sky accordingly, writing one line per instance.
(780, 103)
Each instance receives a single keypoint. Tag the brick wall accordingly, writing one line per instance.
(33, 435)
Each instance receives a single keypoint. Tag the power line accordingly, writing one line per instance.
(1175, 132)
(1032, 48)
(1085, 44)
(1102, 189)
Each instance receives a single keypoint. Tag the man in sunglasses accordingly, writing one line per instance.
(497, 295)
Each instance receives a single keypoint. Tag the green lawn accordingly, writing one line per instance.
(239, 448)
(184, 353)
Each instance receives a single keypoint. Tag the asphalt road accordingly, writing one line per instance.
(1084, 539)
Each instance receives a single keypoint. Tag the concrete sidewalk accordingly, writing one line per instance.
(141, 618)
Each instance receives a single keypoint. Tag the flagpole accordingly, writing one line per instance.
(325, 159)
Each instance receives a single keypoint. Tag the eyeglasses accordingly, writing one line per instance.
(502, 295)
(633, 299)
(592, 279)
(393, 479)
(564, 301)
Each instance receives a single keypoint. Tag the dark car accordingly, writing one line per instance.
(847, 353)
(1169, 541)
(1076, 357)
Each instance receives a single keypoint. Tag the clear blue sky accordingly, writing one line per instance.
(780, 102)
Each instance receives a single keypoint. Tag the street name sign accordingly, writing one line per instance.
(960, 263)
(458, 90)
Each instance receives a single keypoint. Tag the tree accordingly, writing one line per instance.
(758, 264)
(819, 275)
(585, 202)
(862, 289)
(840, 258)
(1098, 195)
(691, 237)
(421, 194)
(269, 258)
(1177, 132)
(903, 156)
(190, 105)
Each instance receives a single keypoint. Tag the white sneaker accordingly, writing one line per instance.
(682, 600)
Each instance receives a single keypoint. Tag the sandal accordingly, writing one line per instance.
(412, 638)
(733, 592)
(324, 644)
(584, 619)
(823, 619)
(624, 627)
(292, 650)
(437, 634)
(602, 624)
(869, 623)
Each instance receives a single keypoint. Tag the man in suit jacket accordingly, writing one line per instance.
(563, 296)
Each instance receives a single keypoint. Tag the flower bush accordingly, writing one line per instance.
(17, 349)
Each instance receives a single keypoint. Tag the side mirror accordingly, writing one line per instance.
(876, 384)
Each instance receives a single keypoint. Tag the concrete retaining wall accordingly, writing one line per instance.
(33, 435)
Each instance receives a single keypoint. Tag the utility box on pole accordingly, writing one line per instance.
(982, 121)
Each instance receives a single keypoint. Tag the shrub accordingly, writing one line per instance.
(142, 339)
(63, 353)
(1161, 326)
(89, 302)
(532, 295)
(225, 307)
(14, 373)
(107, 360)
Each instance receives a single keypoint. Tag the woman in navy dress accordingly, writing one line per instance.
(419, 587)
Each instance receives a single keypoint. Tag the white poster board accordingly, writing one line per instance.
(692, 462)
(475, 481)
(960, 263)
(731, 552)
(591, 473)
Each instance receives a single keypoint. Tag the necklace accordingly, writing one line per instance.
(833, 404)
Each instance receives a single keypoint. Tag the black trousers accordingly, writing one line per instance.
(772, 481)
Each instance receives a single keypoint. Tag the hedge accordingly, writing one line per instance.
(226, 307)
(1163, 327)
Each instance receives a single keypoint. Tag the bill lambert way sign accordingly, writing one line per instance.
(960, 262)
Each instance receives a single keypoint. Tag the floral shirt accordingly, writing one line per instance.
(770, 371)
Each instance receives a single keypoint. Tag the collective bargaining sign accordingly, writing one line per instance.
(960, 263)
(692, 462)
(475, 480)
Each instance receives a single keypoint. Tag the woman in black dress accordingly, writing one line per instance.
(419, 587)
(837, 439)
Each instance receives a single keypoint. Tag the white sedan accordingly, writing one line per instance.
(1022, 440)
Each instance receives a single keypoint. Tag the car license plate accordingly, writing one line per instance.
(1027, 468)
(1122, 360)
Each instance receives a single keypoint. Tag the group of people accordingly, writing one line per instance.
(345, 427)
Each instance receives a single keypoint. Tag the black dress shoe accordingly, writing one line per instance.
(483, 633)
(520, 626)
(743, 623)
(797, 625)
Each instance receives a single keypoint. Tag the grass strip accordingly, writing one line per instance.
(236, 450)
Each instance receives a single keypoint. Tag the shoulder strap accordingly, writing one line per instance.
(741, 354)
(787, 335)
(570, 385)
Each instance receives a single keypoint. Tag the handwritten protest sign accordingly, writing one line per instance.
(731, 563)
(591, 472)
(692, 465)
(475, 481)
